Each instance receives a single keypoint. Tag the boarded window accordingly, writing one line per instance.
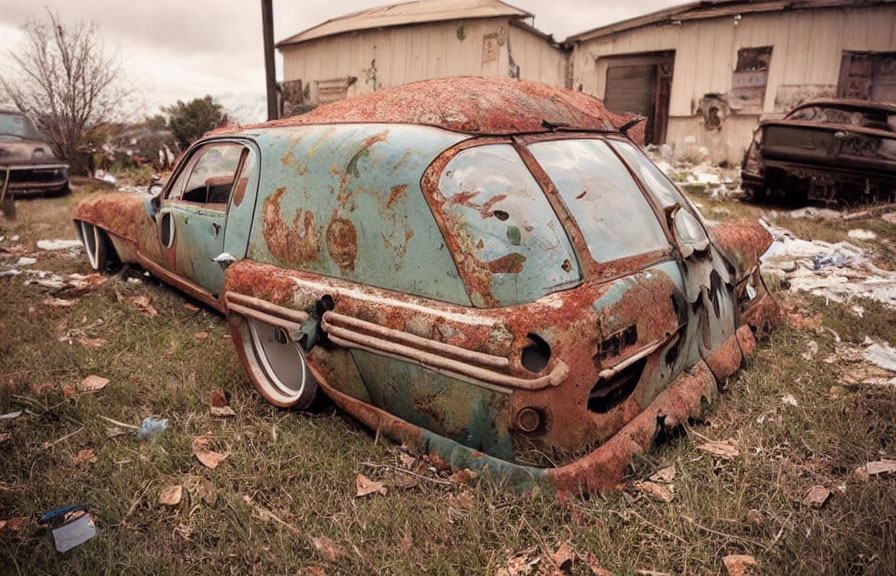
(868, 76)
(750, 78)
(333, 90)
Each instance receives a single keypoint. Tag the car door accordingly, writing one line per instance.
(194, 212)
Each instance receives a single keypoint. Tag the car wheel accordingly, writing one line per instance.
(279, 369)
(96, 244)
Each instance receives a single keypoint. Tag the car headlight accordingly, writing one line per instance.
(38, 154)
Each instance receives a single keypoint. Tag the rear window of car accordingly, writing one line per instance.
(614, 216)
(500, 216)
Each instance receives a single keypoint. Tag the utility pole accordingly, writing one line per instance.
(267, 23)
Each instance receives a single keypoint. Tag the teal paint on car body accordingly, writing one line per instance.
(345, 201)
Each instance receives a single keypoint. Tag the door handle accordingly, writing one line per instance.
(224, 259)
(216, 228)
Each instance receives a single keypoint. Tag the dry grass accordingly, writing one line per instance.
(299, 470)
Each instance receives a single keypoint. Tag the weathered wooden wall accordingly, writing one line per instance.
(805, 61)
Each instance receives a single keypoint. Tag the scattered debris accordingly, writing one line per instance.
(523, 564)
(187, 305)
(218, 405)
(811, 350)
(26, 261)
(263, 513)
(837, 272)
(740, 565)
(812, 213)
(208, 458)
(816, 496)
(464, 476)
(407, 460)
(58, 303)
(11, 415)
(563, 556)
(789, 400)
(184, 531)
(726, 449)
(92, 383)
(329, 548)
(879, 467)
(200, 489)
(201, 335)
(755, 517)
(366, 486)
(222, 411)
(52, 245)
(85, 456)
(889, 217)
(72, 526)
(462, 500)
(664, 475)
(654, 490)
(861, 234)
(13, 524)
(151, 427)
(171, 495)
(882, 356)
(4, 437)
(143, 303)
(115, 432)
(91, 342)
(595, 567)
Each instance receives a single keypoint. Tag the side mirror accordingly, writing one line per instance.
(687, 231)
(152, 205)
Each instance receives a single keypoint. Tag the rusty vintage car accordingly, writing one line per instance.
(27, 164)
(833, 151)
(486, 269)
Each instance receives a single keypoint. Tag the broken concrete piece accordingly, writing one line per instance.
(882, 356)
(861, 234)
(879, 467)
(52, 245)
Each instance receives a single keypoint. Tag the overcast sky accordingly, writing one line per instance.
(184, 49)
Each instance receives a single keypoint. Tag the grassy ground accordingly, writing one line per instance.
(283, 501)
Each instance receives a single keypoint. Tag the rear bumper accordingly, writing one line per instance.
(603, 468)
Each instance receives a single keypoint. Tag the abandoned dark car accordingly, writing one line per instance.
(27, 164)
(486, 269)
(829, 151)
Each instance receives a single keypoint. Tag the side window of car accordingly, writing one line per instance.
(209, 177)
(499, 214)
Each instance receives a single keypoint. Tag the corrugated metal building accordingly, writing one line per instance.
(392, 45)
(711, 70)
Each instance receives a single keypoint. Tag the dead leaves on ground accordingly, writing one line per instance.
(171, 495)
(85, 457)
(725, 449)
(740, 565)
(92, 383)
(144, 304)
(328, 548)
(365, 487)
(208, 458)
(558, 562)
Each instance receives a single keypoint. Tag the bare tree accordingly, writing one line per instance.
(64, 80)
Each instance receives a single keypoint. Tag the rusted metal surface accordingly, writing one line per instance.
(827, 150)
(465, 294)
(471, 105)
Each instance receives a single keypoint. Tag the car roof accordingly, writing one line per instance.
(466, 104)
(849, 103)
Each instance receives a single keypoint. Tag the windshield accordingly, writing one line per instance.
(12, 124)
(614, 216)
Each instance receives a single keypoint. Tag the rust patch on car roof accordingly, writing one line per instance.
(473, 105)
